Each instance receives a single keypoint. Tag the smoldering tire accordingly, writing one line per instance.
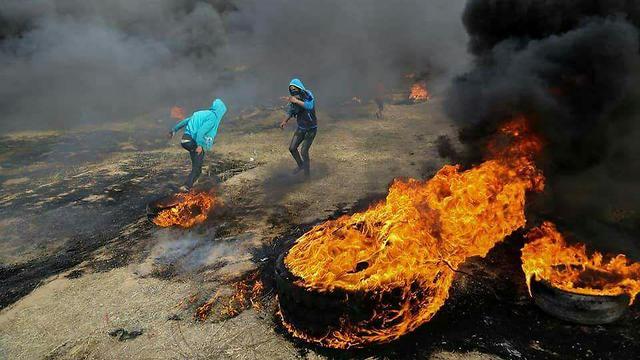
(578, 308)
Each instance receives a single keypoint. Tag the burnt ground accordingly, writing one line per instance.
(489, 311)
(87, 207)
(81, 261)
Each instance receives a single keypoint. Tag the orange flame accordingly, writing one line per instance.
(568, 267)
(178, 113)
(192, 209)
(247, 294)
(419, 92)
(413, 241)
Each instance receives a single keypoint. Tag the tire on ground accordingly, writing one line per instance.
(578, 308)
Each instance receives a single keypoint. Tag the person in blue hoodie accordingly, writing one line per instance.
(302, 106)
(200, 132)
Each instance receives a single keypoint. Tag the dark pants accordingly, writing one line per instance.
(380, 103)
(196, 159)
(304, 137)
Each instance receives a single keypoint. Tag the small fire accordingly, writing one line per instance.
(246, 294)
(192, 208)
(568, 267)
(203, 311)
(178, 113)
(414, 240)
(419, 92)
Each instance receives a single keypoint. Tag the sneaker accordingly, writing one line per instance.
(183, 189)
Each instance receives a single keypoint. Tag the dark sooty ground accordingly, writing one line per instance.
(117, 221)
(490, 311)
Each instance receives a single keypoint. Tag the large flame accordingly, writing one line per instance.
(413, 241)
(419, 92)
(192, 208)
(568, 267)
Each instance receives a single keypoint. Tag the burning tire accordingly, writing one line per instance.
(567, 281)
(309, 311)
(330, 318)
(578, 308)
(182, 209)
(164, 203)
(374, 276)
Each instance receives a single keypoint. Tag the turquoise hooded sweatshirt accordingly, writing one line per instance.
(306, 114)
(202, 126)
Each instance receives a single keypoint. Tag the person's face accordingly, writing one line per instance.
(294, 91)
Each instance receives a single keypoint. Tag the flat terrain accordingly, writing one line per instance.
(80, 258)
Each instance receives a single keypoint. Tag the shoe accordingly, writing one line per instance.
(184, 189)
(297, 170)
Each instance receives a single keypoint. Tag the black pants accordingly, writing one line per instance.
(196, 159)
(304, 137)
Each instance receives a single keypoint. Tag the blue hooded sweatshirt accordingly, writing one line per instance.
(305, 115)
(202, 126)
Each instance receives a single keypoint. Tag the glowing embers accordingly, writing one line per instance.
(419, 92)
(185, 209)
(568, 267)
(400, 254)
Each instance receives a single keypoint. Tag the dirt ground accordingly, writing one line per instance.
(80, 260)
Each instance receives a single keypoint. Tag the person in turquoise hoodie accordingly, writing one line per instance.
(200, 132)
(302, 106)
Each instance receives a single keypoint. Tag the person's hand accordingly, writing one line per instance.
(199, 150)
(294, 100)
(170, 134)
(283, 124)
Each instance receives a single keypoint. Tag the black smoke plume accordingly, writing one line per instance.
(69, 62)
(572, 67)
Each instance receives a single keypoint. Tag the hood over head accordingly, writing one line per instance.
(297, 83)
(218, 107)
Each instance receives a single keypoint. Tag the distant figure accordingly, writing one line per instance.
(199, 134)
(379, 100)
(302, 107)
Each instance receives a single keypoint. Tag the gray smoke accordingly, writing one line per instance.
(572, 68)
(67, 62)
(185, 253)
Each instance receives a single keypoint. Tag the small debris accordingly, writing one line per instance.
(174, 317)
(123, 334)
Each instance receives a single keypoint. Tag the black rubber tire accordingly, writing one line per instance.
(317, 313)
(578, 308)
(310, 311)
(165, 202)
